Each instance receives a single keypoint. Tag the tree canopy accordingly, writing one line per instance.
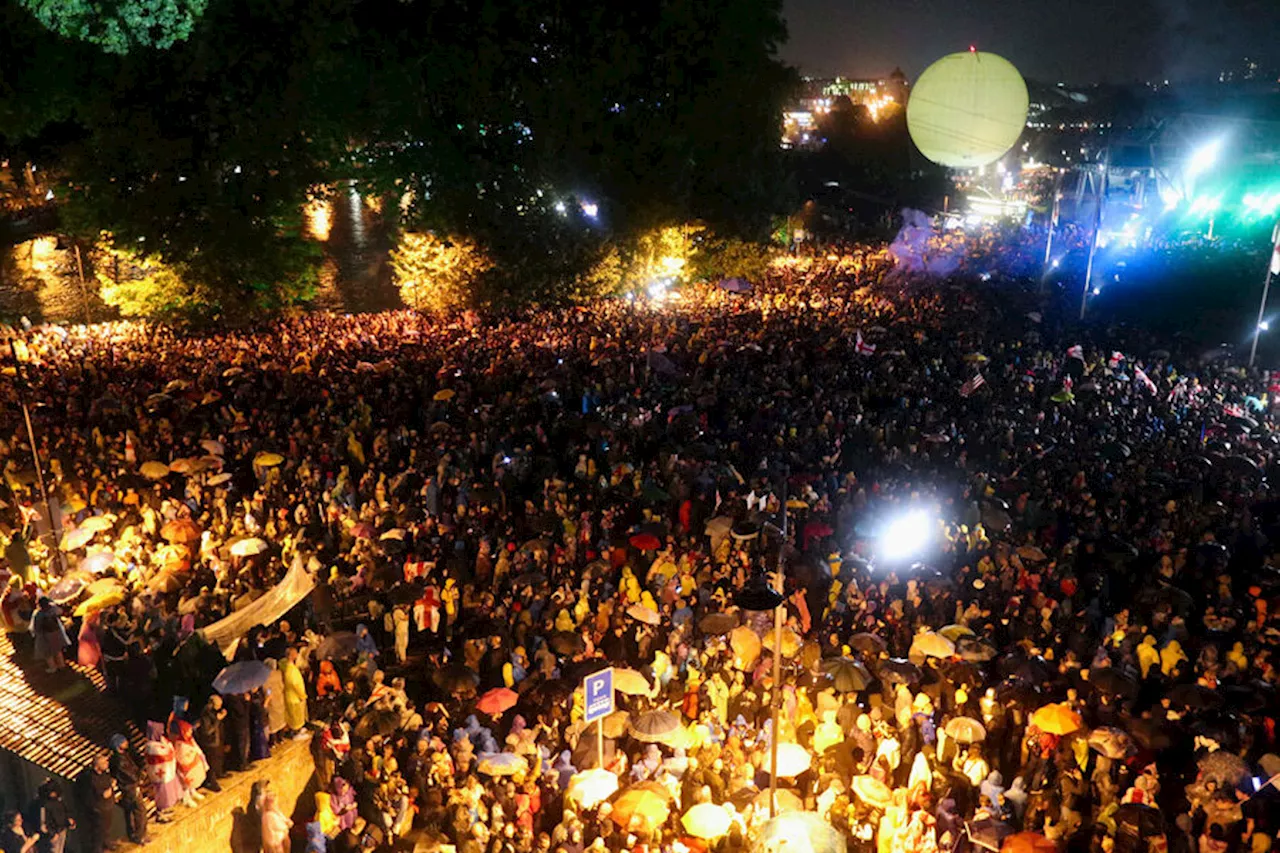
(503, 121)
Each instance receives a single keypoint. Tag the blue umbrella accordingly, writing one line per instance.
(243, 677)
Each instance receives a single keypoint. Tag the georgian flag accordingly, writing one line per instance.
(862, 347)
(1076, 351)
(1142, 377)
(1231, 410)
(1116, 358)
(972, 385)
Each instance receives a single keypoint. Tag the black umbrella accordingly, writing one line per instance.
(963, 672)
(1150, 734)
(337, 646)
(455, 678)
(1194, 696)
(1139, 820)
(846, 674)
(867, 643)
(379, 721)
(975, 650)
(718, 623)
(899, 671)
(481, 628)
(1113, 682)
(566, 643)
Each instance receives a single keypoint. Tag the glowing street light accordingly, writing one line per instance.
(906, 536)
(1203, 158)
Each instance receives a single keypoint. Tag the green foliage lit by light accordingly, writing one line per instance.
(719, 258)
(138, 286)
(118, 26)
(436, 274)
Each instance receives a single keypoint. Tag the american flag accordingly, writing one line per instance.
(863, 347)
(972, 385)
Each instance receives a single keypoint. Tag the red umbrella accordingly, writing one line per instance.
(363, 530)
(496, 701)
(645, 542)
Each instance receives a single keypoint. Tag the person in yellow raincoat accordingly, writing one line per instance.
(295, 692)
(1237, 658)
(1170, 656)
(564, 622)
(1147, 655)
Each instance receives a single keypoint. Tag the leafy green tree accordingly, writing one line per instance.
(118, 26)
(138, 286)
(718, 258)
(438, 274)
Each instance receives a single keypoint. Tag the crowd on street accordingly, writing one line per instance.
(1028, 573)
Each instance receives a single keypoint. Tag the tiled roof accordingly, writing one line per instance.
(57, 721)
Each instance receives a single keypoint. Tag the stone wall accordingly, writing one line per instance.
(221, 821)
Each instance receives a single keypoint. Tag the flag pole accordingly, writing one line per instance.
(1266, 288)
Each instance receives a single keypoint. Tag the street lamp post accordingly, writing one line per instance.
(759, 594)
(1097, 229)
(21, 356)
(1273, 266)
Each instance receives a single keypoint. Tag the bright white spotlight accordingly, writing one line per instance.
(906, 536)
(590, 209)
(1265, 325)
(1203, 158)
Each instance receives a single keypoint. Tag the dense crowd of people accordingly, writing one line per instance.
(1071, 643)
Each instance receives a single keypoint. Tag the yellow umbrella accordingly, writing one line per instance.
(213, 446)
(630, 682)
(210, 397)
(99, 602)
(188, 465)
(249, 547)
(706, 820)
(268, 460)
(615, 725)
(745, 645)
(793, 759)
(98, 523)
(444, 394)
(872, 791)
(976, 358)
(955, 632)
(786, 800)
(640, 808)
(791, 642)
(78, 538)
(591, 787)
(933, 645)
(796, 503)
(502, 764)
(154, 470)
(105, 586)
(1057, 719)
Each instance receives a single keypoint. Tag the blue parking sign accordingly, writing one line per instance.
(598, 688)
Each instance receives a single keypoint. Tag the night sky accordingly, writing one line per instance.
(1068, 40)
